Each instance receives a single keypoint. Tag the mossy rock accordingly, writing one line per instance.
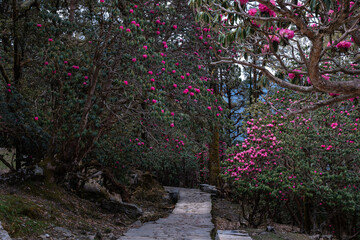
(148, 189)
(151, 195)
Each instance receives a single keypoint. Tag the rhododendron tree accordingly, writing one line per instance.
(104, 72)
(304, 168)
(278, 37)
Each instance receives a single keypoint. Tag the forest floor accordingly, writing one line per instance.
(35, 211)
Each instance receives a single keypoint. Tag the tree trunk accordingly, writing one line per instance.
(307, 218)
(214, 159)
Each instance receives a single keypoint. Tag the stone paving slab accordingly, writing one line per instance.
(190, 220)
(232, 235)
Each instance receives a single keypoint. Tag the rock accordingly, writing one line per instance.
(148, 189)
(315, 237)
(91, 237)
(4, 235)
(98, 236)
(270, 229)
(38, 171)
(65, 232)
(134, 179)
(326, 237)
(209, 189)
(244, 223)
(94, 188)
(131, 210)
(136, 224)
(173, 195)
(263, 233)
(111, 236)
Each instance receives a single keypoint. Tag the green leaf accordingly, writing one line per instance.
(313, 4)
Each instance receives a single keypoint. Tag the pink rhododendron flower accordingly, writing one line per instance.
(274, 38)
(243, 2)
(287, 33)
(174, 27)
(154, 101)
(265, 49)
(131, 10)
(150, 72)
(263, 8)
(145, 56)
(252, 11)
(36, 118)
(308, 81)
(344, 44)
(38, 25)
(50, 40)
(172, 125)
(291, 75)
(326, 77)
(172, 113)
(174, 85)
(126, 82)
(152, 88)
(134, 59)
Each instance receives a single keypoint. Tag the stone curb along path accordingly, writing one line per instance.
(190, 220)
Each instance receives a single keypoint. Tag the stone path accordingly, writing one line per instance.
(190, 220)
